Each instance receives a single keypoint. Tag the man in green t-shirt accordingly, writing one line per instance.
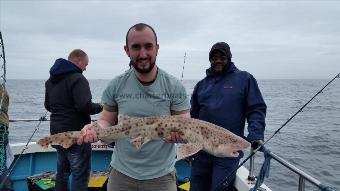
(144, 90)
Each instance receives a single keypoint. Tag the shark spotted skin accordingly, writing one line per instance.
(197, 135)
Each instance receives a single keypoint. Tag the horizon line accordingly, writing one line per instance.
(178, 79)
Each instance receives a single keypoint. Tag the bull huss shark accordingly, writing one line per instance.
(196, 134)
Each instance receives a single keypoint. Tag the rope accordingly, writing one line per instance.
(326, 188)
(264, 172)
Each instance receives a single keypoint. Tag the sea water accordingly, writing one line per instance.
(311, 141)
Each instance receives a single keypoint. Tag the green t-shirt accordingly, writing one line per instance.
(156, 158)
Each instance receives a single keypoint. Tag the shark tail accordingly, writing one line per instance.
(65, 139)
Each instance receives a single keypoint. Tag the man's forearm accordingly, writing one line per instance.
(103, 123)
(184, 113)
(107, 118)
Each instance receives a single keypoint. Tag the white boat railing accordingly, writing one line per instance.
(303, 176)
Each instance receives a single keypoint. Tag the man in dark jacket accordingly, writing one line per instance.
(68, 98)
(226, 97)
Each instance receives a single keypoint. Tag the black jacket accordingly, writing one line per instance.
(68, 98)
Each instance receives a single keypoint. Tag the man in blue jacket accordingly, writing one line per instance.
(226, 97)
(68, 98)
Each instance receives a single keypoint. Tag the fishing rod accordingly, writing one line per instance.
(3, 87)
(225, 180)
(11, 168)
(3, 57)
(185, 56)
(3, 68)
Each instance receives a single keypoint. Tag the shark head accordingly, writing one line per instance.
(225, 150)
(230, 150)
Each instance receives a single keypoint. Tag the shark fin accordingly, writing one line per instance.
(65, 139)
(186, 150)
(107, 140)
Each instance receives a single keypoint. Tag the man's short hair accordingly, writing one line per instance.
(140, 27)
(76, 53)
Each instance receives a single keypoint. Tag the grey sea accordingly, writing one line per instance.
(311, 141)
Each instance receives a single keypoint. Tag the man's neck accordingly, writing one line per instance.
(147, 78)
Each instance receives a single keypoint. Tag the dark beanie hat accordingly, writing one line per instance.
(222, 47)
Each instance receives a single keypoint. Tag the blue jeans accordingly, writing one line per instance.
(75, 160)
(208, 171)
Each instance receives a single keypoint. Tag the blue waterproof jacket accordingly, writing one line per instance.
(228, 99)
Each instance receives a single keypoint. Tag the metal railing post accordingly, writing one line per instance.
(302, 183)
(251, 176)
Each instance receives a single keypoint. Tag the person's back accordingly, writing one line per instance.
(68, 98)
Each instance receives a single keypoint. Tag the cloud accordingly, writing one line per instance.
(270, 39)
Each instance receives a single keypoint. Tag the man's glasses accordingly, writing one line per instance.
(215, 58)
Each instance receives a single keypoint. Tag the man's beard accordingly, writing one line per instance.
(222, 65)
(143, 70)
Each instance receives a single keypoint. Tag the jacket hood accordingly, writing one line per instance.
(228, 69)
(62, 66)
(222, 47)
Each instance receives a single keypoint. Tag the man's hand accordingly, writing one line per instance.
(101, 105)
(175, 138)
(88, 134)
(256, 143)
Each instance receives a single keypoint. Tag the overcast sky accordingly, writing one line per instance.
(270, 39)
